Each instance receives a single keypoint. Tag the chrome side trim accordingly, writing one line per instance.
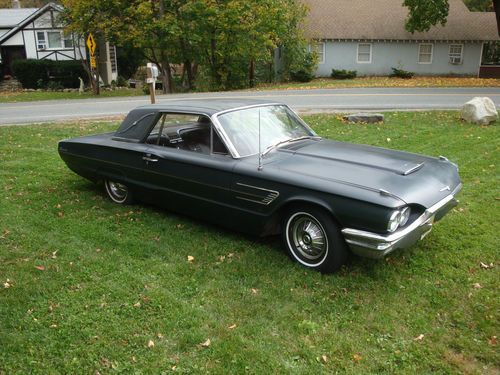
(264, 200)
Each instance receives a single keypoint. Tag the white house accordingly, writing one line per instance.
(37, 33)
(370, 37)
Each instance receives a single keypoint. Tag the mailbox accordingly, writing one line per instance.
(151, 73)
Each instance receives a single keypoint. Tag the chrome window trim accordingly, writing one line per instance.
(224, 137)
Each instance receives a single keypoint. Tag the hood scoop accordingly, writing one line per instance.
(413, 169)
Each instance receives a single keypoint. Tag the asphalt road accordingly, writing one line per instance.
(319, 100)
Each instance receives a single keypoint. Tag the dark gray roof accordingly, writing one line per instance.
(204, 106)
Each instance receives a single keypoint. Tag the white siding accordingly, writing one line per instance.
(30, 46)
(14, 40)
(44, 21)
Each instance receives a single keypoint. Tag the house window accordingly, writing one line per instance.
(53, 40)
(425, 53)
(364, 53)
(456, 53)
(41, 41)
(319, 48)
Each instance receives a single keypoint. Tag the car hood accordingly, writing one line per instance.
(411, 178)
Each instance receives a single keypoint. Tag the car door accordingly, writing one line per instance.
(186, 178)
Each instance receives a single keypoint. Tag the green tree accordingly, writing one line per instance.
(225, 39)
(423, 14)
(480, 5)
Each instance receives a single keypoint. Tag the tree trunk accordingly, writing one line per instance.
(96, 72)
(251, 73)
(213, 63)
(166, 77)
(188, 66)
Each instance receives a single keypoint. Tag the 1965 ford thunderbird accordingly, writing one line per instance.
(256, 167)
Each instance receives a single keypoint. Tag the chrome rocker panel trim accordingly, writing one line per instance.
(376, 246)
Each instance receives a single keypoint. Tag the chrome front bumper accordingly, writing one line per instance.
(372, 245)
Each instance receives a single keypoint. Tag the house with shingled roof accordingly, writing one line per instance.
(37, 33)
(370, 37)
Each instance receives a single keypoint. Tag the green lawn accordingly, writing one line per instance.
(30, 96)
(87, 286)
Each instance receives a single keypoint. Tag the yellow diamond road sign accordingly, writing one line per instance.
(91, 44)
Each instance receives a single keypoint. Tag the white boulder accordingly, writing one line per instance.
(480, 111)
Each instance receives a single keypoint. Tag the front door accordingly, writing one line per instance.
(187, 172)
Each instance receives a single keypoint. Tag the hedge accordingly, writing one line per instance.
(37, 74)
(343, 74)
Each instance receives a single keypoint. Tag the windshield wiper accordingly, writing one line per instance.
(290, 140)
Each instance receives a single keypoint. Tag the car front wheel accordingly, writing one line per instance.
(118, 192)
(313, 239)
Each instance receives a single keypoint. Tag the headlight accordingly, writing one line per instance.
(398, 219)
(394, 221)
(405, 215)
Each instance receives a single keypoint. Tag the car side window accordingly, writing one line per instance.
(189, 132)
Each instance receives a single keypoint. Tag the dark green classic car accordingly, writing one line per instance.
(256, 167)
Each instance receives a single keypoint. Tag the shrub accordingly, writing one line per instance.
(54, 85)
(303, 69)
(38, 73)
(343, 74)
(121, 82)
(401, 73)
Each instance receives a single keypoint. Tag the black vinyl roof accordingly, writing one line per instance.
(139, 121)
(204, 106)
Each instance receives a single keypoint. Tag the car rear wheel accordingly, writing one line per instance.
(313, 239)
(118, 192)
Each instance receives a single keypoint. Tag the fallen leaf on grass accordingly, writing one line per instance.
(6, 232)
(60, 214)
(357, 357)
(206, 344)
(54, 254)
(324, 358)
(151, 344)
(137, 304)
(159, 335)
(232, 326)
(419, 337)
(477, 285)
(40, 268)
(254, 291)
(485, 266)
(7, 284)
(492, 341)
(190, 259)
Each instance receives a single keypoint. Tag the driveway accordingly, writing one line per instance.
(304, 101)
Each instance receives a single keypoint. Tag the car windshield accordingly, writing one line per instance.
(277, 123)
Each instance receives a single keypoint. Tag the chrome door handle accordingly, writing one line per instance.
(148, 158)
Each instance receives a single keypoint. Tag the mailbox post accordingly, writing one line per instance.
(152, 74)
